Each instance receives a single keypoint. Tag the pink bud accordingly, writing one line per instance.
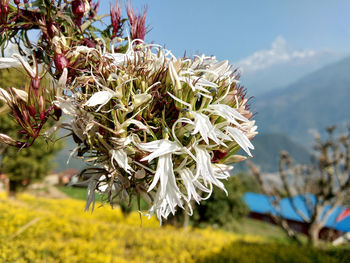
(116, 17)
(61, 62)
(32, 111)
(42, 115)
(25, 116)
(42, 108)
(6, 9)
(52, 29)
(218, 155)
(35, 83)
(78, 8)
(25, 1)
(17, 2)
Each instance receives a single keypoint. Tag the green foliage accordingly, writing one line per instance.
(74, 192)
(249, 182)
(273, 252)
(28, 165)
(222, 209)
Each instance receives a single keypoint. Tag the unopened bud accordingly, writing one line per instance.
(42, 115)
(7, 140)
(35, 83)
(57, 111)
(218, 155)
(89, 43)
(17, 2)
(78, 8)
(25, 116)
(52, 29)
(61, 62)
(32, 110)
(42, 108)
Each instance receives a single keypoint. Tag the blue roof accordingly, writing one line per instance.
(260, 203)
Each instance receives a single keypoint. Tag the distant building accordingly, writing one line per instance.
(260, 208)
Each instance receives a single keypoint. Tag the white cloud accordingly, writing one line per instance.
(279, 53)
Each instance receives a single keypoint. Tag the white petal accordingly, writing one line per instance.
(225, 111)
(205, 169)
(140, 99)
(158, 148)
(4, 95)
(66, 106)
(241, 139)
(99, 98)
(9, 63)
(121, 158)
(207, 129)
(26, 66)
(21, 94)
(61, 84)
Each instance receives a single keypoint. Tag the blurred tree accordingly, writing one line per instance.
(26, 165)
(222, 209)
(323, 185)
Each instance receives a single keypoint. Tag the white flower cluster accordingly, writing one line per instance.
(154, 125)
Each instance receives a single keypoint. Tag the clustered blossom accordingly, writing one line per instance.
(155, 122)
(149, 124)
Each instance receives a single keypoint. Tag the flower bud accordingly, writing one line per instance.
(25, 116)
(17, 2)
(89, 43)
(52, 29)
(57, 111)
(61, 62)
(78, 8)
(7, 140)
(35, 82)
(218, 155)
(42, 108)
(32, 111)
(20, 144)
(26, 1)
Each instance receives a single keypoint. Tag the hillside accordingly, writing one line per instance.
(268, 148)
(317, 100)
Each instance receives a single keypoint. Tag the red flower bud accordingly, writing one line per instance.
(78, 8)
(6, 9)
(61, 62)
(32, 111)
(218, 155)
(116, 17)
(57, 112)
(26, 1)
(52, 29)
(89, 43)
(35, 83)
(17, 2)
(42, 115)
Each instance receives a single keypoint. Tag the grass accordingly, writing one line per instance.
(74, 192)
(245, 226)
(36, 229)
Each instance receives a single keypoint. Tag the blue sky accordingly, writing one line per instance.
(273, 42)
(236, 29)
